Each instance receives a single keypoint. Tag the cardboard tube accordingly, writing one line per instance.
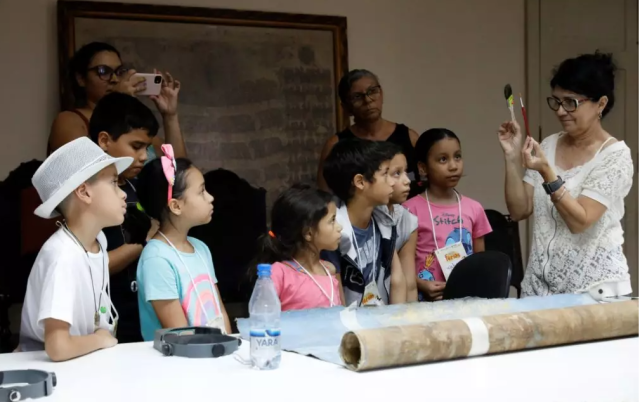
(443, 340)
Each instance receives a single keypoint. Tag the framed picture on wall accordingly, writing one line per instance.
(259, 89)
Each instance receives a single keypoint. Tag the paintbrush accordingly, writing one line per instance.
(508, 95)
(524, 116)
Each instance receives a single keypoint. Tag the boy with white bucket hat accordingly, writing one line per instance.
(67, 309)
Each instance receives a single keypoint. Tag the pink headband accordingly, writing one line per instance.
(169, 168)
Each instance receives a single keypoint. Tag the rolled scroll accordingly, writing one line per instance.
(443, 340)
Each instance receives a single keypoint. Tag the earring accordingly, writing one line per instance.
(599, 115)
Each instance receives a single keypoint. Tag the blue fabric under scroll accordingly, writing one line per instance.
(319, 332)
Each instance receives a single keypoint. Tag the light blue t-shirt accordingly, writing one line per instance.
(163, 276)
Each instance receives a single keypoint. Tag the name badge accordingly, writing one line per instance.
(371, 296)
(449, 257)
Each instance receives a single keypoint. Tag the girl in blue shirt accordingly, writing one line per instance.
(177, 284)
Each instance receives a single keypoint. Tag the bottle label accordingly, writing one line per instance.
(265, 343)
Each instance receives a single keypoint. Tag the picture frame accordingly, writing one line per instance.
(296, 60)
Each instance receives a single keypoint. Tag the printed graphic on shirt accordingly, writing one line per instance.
(193, 308)
(466, 238)
(367, 245)
(425, 272)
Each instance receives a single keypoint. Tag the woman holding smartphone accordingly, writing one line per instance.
(95, 70)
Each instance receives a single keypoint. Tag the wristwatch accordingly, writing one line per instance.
(553, 186)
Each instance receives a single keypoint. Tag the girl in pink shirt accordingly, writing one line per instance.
(303, 223)
(450, 226)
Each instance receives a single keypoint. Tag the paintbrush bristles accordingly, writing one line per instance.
(507, 91)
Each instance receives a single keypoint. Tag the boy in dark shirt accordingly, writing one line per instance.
(123, 126)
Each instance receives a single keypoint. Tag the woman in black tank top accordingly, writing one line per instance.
(361, 96)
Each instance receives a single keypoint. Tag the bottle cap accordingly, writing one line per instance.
(264, 269)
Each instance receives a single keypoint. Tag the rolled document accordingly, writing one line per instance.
(444, 340)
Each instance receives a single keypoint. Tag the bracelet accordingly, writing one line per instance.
(559, 198)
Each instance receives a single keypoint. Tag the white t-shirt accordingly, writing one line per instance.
(562, 262)
(60, 287)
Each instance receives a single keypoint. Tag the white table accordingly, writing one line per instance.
(602, 371)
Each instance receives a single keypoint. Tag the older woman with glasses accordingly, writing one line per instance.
(361, 96)
(575, 184)
(95, 70)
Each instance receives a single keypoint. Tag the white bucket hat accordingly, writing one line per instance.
(66, 169)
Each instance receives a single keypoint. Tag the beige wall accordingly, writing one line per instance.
(441, 63)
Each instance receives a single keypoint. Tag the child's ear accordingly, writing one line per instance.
(83, 193)
(359, 181)
(308, 237)
(104, 139)
(175, 206)
(422, 169)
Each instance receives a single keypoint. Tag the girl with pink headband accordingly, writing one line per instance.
(176, 279)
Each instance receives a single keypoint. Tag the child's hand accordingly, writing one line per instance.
(106, 339)
(434, 289)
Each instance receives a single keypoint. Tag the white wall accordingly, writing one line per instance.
(441, 63)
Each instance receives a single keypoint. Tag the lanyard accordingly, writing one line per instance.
(433, 225)
(215, 294)
(103, 289)
(331, 303)
(375, 252)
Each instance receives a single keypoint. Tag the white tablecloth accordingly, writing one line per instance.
(599, 372)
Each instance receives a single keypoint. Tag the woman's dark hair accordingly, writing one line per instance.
(298, 209)
(152, 187)
(428, 139)
(78, 66)
(591, 75)
(344, 87)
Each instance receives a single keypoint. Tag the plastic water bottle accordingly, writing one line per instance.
(264, 316)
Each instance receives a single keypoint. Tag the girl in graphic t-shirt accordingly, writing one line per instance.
(303, 223)
(175, 276)
(450, 226)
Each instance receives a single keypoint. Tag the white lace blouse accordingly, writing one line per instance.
(562, 262)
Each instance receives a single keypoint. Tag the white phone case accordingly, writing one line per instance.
(154, 84)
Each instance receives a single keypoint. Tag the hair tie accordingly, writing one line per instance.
(272, 234)
(169, 167)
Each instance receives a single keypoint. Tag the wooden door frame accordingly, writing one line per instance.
(535, 88)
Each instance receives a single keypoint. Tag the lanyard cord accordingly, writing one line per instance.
(331, 303)
(433, 225)
(77, 241)
(214, 293)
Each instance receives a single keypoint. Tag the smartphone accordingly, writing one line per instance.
(154, 84)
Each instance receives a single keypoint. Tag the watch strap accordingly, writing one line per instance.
(552, 187)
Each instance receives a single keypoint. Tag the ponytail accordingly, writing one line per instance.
(297, 209)
(271, 249)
